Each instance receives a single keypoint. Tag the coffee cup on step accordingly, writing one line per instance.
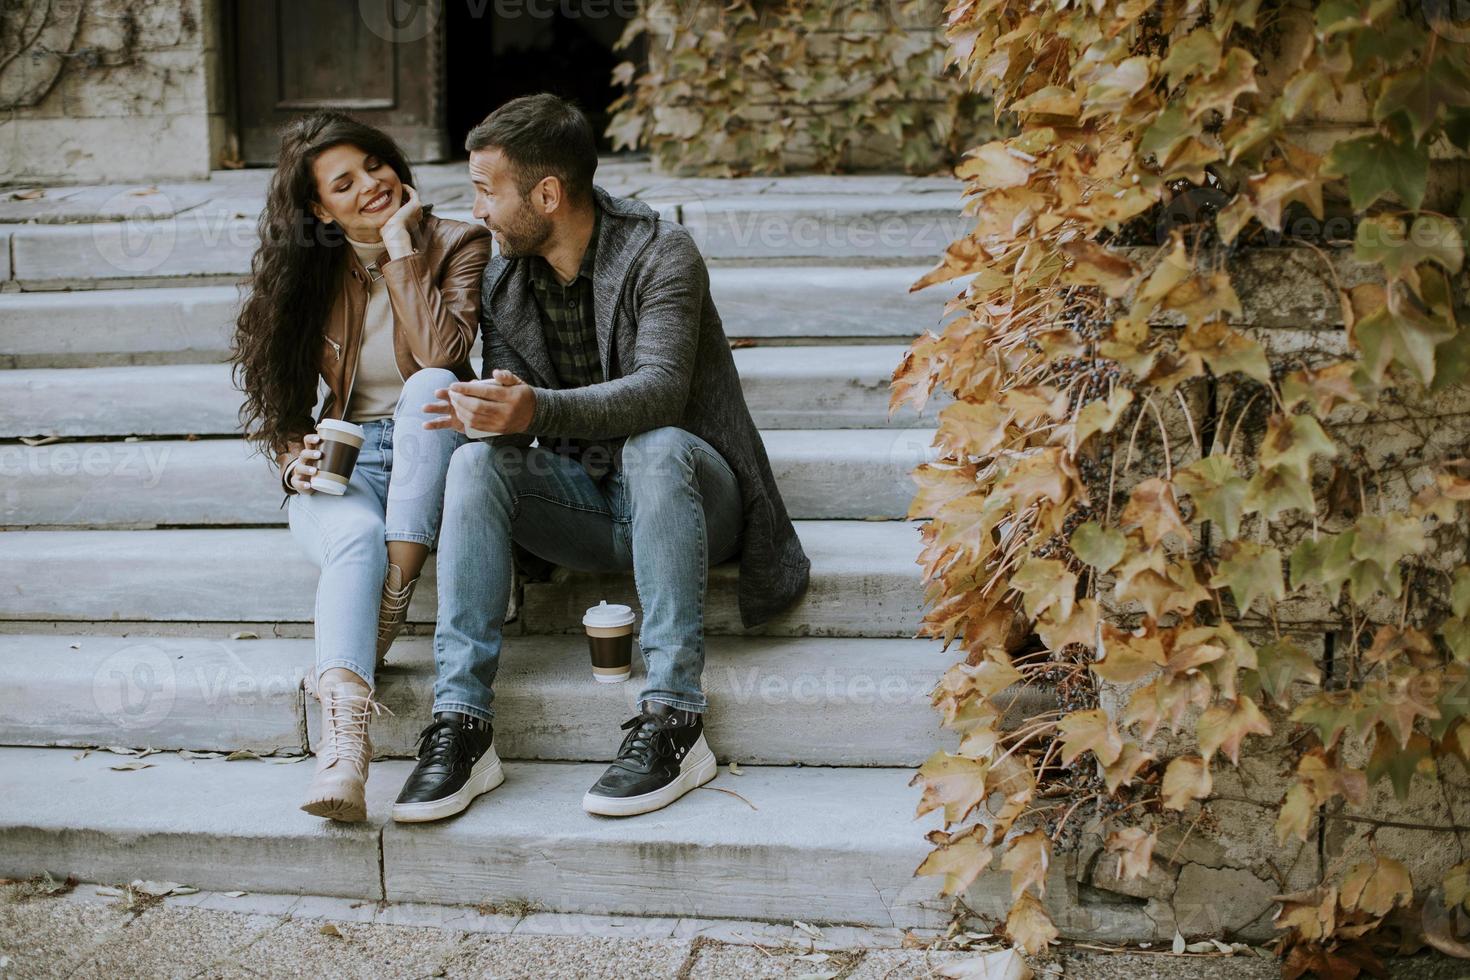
(341, 442)
(609, 629)
(474, 433)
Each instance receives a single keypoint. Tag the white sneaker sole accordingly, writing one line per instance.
(485, 776)
(695, 772)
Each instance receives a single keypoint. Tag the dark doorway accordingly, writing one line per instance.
(496, 50)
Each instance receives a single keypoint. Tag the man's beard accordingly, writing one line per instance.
(525, 233)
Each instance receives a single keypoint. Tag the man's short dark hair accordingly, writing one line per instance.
(542, 136)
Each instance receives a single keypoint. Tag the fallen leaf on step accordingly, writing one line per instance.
(143, 191)
(812, 931)
(813, 958)
(107, 891)
(1179, 943)
(330, 930)
(240, 754)
(234, 894)
(735, 769)
(1003, 964)
(39, 440)
(130, 766)
(34, 194)
(1201, 947)
(244, 635)
(284, 760)
(124, 750)
(191, 754)
(158, 889)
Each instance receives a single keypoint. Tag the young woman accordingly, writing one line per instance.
(362, 302)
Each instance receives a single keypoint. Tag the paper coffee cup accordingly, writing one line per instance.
(341, 442)
(610, 641)
(474, 433)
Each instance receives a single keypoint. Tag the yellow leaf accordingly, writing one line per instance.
(1134, 848)
(1028, 925)
(1027, 858)
(959, 858)
(1089, 731)
(1187, 778)
(1376, 887)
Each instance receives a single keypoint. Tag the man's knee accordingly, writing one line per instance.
(658, 455)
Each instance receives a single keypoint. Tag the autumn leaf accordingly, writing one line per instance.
(1312, 914)
(1153, 510)
(1094, 265)
(1376, 887)
(1127, 765)
(1128, 657)
(1323, 389)
(1089, 731)
(1298, 809)
(1080, 627)
(1272, 493)
(1027, 858)
(1045, 583)
(1186, 778)
(1331, 713)
(967, 429)
(994, 165)
(1028, 925)
(1102, 415)
(1375, 165)
(953, 782)
(1223, 726)
(960, 858)
(1134, 848)
(1326, 561)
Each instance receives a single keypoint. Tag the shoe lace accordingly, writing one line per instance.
(441, 744)
(347, 733)
(393, 609)
(648, 738)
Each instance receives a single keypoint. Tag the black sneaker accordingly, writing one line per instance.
(457, 762)
(662, 758)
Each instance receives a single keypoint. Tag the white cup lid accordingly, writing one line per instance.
(337, 425)
(608, 614)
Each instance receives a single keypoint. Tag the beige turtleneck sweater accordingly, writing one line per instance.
(377, 385)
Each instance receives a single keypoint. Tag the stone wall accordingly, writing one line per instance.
(110, 90)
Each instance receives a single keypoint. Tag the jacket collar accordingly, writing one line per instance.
(624, 228)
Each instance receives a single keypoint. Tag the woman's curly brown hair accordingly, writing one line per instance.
(294, 275)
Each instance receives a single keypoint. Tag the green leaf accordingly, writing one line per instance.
(1418, 94)
(1273, 492)
(1456, 635)
(1217, 490)
(1327, 561)
(1375, 165)
(1331, 713)
(1408, 338)
(1382, 240)
(1101, 547)
(1280, 665)
(1460, 591)
(1399, 764)
(1250, 571)
(1291, 443)
(1191, 55)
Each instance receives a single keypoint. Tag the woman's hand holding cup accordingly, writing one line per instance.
(305, 469)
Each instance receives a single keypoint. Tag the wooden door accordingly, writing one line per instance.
(379, 60)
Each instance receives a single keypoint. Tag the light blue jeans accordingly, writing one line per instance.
(396, 493)
(670, 511)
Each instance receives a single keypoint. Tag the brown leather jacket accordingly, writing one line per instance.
(435, 294)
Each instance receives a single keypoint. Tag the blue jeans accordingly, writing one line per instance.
(396, 493)
(672, 509)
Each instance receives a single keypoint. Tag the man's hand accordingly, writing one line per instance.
(502, 404)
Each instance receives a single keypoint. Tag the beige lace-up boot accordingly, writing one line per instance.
(342, 753)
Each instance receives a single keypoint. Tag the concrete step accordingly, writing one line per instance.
(780, 843)
(773, 701)
(822, 473)
(212, 244)
(838, 386)
(864, 581)
(92, 327)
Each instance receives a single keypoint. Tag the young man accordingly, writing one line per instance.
(601, 342)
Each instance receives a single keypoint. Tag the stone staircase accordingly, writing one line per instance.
(150, 596)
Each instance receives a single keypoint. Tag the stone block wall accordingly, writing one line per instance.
(110, 91)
